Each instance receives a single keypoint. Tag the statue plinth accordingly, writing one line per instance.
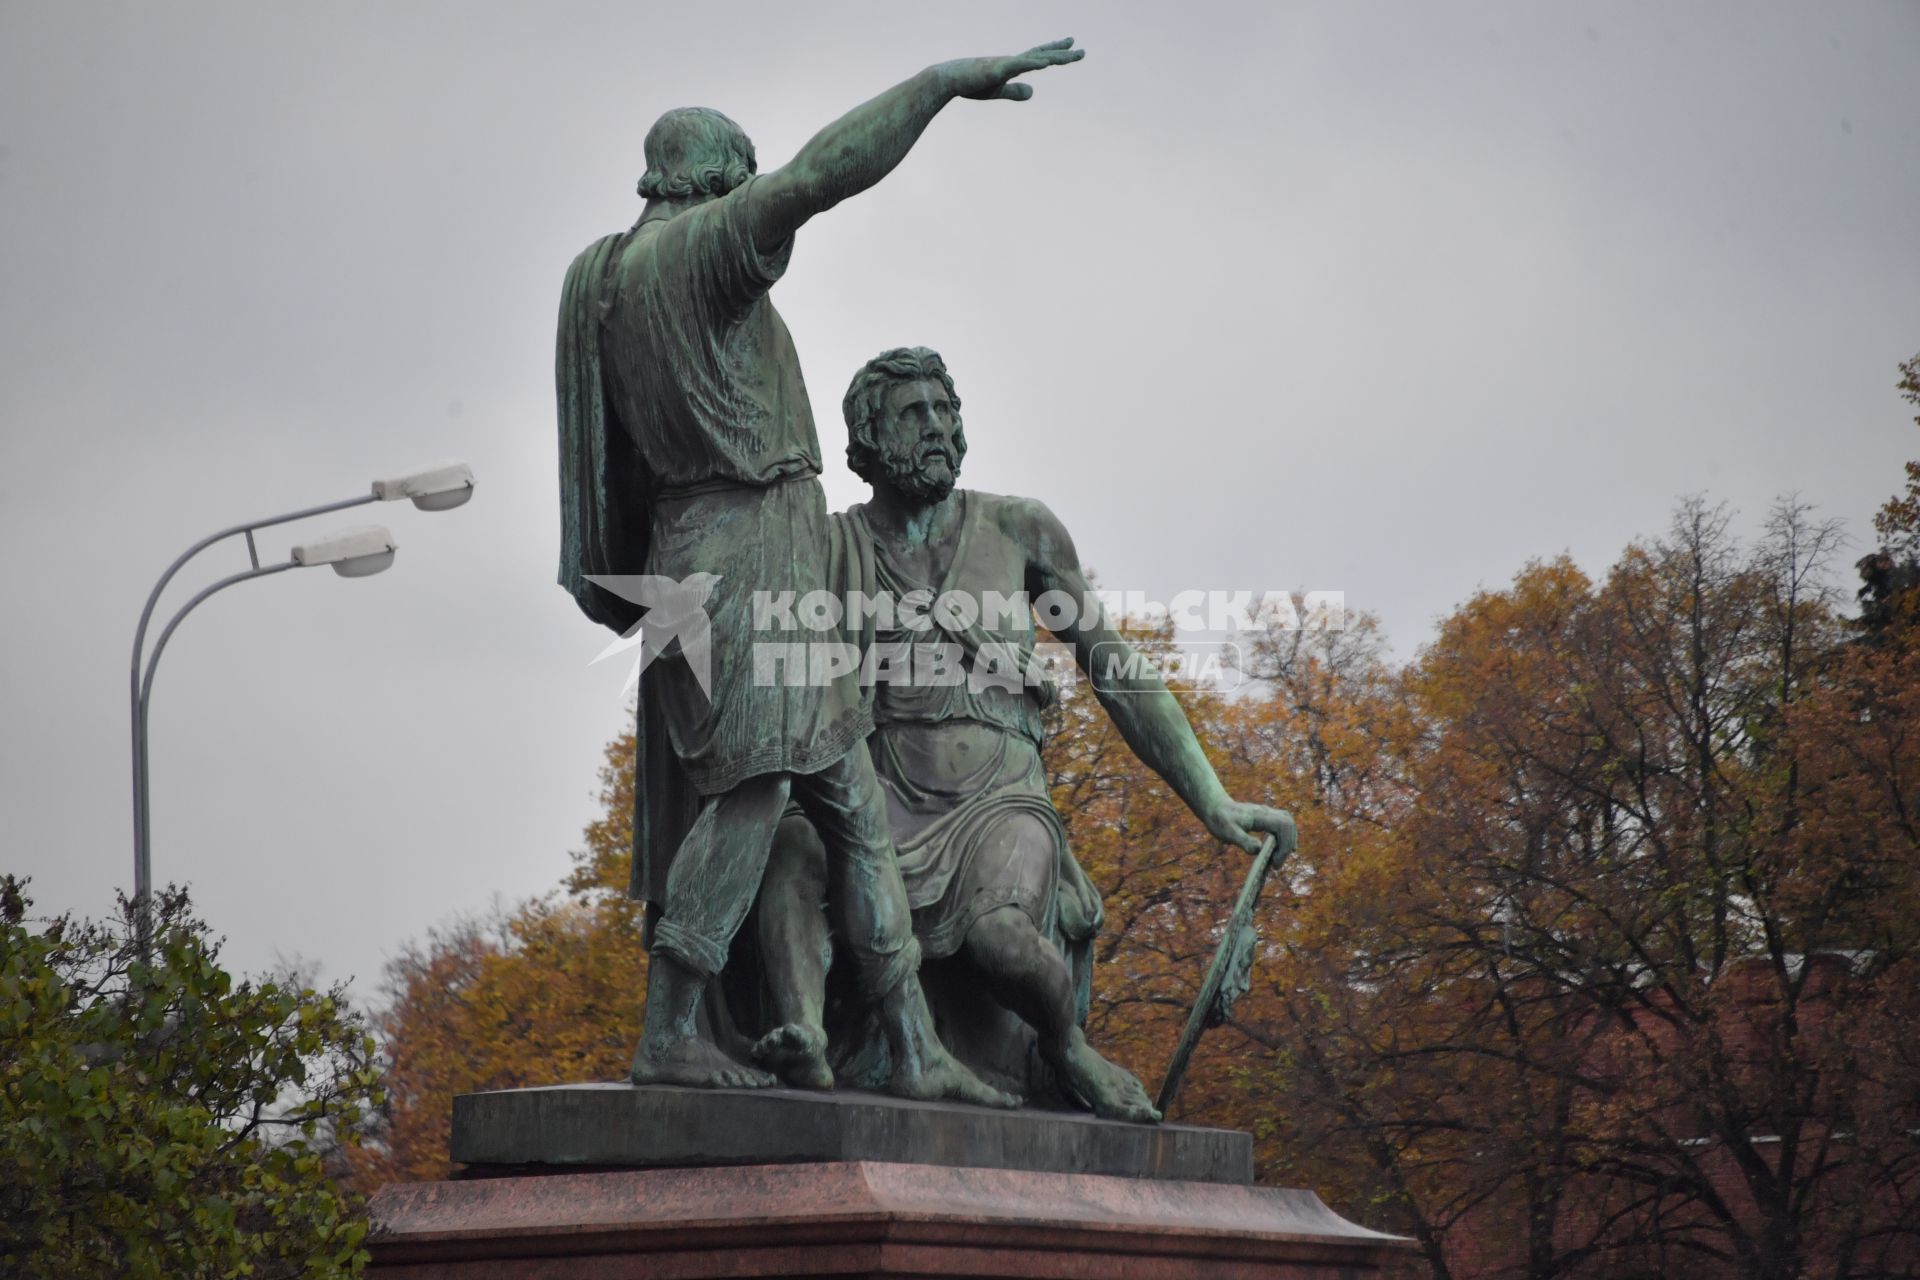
(591, 1181)
(568, 1128)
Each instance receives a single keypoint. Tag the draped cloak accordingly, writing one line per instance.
(687, 445)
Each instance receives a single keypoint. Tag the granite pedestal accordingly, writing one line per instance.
(594, 1182)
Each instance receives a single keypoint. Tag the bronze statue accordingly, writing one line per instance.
(998, 901)
(688, 447)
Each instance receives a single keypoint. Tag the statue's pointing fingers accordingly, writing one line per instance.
(986, 78)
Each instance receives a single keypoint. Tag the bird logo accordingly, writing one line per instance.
(676, 610)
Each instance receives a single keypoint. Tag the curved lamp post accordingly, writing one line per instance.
(353, 553)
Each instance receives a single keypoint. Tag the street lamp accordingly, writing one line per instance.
(353, 553)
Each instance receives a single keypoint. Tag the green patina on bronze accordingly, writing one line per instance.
(687, 445)
(884, 823)
(999, 904)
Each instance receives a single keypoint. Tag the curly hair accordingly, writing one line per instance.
(695, 151)
(866, 394)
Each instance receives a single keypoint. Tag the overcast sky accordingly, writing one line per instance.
(1386, 299)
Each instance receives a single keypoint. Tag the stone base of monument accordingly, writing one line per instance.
(595, 1181)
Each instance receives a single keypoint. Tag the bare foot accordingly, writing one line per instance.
(691, 1061)
(1112, 1091)
(938, 1074)
(798, 1053)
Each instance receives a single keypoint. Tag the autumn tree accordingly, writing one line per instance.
(1890, 574)
(1616, 989)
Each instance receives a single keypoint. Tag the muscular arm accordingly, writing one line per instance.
(1148, 716)
(864, 146)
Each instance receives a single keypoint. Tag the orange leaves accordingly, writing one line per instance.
(600, 870)
(1575, 994)
(548, 993)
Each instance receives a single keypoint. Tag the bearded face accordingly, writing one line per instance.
(927, 474)
(919, 442)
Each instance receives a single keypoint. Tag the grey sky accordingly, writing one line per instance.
(1382, 298)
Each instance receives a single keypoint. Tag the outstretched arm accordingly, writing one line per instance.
(863, 146)
(1148, 716)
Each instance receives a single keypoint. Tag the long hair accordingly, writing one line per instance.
(862, 404)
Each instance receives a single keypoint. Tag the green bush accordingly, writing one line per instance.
(158, 1118)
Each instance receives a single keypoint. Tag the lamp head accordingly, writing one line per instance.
(353, 553)
(438, 488)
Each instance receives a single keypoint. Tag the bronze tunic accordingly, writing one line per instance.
(706, 381)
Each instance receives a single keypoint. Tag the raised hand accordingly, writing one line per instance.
(984, 78)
